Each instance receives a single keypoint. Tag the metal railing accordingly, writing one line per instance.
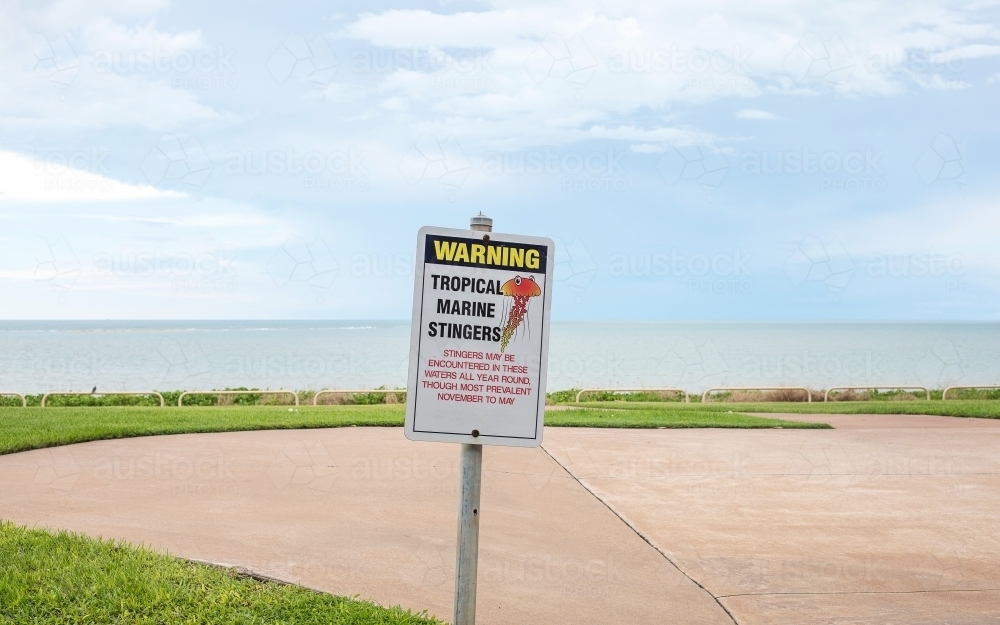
(809, 395)
(180, 400)
(24, 400)
(826, 395)
(46, 396)
(944, 395)
(687, 398)
(333, 391)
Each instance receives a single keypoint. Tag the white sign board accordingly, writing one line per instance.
(479, 339)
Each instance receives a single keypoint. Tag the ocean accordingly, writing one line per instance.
(39, 356)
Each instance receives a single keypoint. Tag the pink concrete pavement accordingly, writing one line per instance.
(361, 511)
(870, 522)
(887, 519)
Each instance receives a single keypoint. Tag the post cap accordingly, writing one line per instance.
(481, 223)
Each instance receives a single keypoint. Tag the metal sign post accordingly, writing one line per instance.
(467, 557)
(478, 354)
(470, 482)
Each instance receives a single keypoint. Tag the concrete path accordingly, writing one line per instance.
(878, 521)
(361, 511)
(871, 522)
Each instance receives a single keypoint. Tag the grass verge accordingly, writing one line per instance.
(665, 417)
(64, 578)
(22, 429)
(989, 409)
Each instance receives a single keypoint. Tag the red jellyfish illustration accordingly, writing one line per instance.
(521, 289)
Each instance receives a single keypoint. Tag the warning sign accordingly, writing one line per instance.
(479, 338)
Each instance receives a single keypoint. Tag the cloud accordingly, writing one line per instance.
(407, 28)
(664, 85)
(645, 58)
(104, 34)
(26, 179)
(61, 15)
(975, 51)
(97, 100)
(67, 66)
(648, 148)
(756, 114)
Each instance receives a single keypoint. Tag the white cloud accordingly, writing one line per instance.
(651, 58)
(99, 100)
(937, 82)
(635, 79)
(104, 34)
(52, 78)
(24, 179)
(756, 114)
(63, 15)
(958, 230)
(648, 148)
(976, 51)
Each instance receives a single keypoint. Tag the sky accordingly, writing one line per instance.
(719, 160)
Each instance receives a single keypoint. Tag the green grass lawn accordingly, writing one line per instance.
(31, 428)
(22, 429)
(661, 416)
(63, 578)
(950, 408)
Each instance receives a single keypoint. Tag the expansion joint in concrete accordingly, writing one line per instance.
(642, 536)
